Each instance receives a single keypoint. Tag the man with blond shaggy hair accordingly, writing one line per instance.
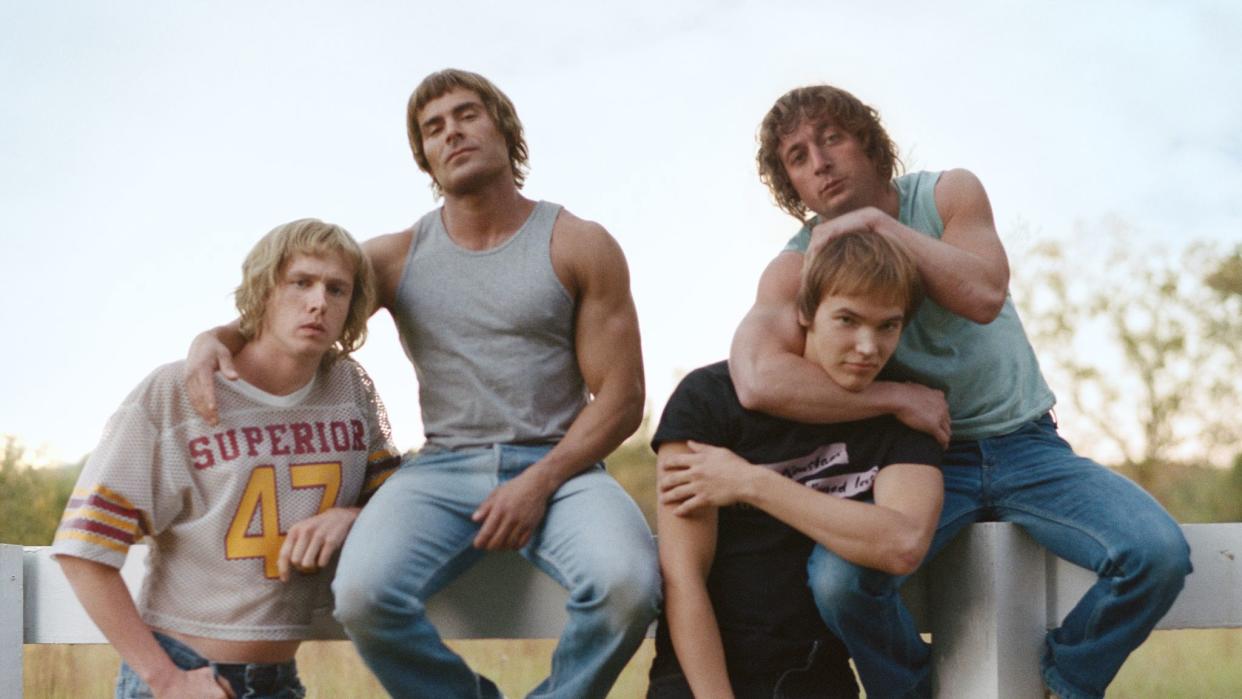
(963, 372)
(518, 318)
(244, 517)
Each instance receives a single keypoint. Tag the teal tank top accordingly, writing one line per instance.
(988, 372)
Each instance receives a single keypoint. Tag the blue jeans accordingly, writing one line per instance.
(249, 681)
(415, 536)
(1079, 510)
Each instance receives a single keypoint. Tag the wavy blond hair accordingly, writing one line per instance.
(267, 261)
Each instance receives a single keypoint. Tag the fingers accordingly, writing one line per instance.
(225, 359)
(282, 560)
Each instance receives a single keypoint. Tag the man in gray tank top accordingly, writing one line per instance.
(966, 374)
(518, 319)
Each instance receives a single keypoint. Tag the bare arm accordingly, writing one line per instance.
(687, 547)
(966, 270)
(610, 358)
(891, 535)
(771, 376)
(103, 594)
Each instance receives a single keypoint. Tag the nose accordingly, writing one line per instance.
(864, 343)
(316, 298)
(820, 160)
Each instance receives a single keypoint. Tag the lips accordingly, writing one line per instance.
(832, 186)
(313, 327)
(460, 151)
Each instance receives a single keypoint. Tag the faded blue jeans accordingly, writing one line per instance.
(415, 536)
(1076, 508)
(249, 681)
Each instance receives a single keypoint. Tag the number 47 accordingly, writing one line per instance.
(260, 495)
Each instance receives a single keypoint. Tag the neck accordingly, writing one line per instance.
(276, 372)
(485, 218)
(890, 200)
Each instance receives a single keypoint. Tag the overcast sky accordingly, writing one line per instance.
(145, 147)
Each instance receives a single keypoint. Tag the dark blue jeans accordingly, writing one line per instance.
(249, 681)
(1079, 510)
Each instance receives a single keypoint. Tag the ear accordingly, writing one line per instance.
(803, 320)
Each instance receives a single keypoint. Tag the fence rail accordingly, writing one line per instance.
(987, 601)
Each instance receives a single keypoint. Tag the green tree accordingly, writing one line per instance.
(1144, 343)
(31, 499)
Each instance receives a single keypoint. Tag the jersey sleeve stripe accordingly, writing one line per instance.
(126, 525)
(90, 538)
(90, 525)
(374, 482)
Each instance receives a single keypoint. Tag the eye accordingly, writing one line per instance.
(339, 290)
(301, 283)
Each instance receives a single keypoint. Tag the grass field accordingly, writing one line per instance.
(1171, 665)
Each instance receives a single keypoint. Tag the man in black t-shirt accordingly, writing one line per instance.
(756, 511)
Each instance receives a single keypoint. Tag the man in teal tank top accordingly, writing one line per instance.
(963, 372)
(518, 319)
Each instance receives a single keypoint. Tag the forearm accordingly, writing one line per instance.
(229, 335)
(106, 599)
(957, 279)
(602, 425)
(773, 380)
(696, 636)
(867, 534)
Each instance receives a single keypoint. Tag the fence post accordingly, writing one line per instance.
(12, 583)
(987, 600)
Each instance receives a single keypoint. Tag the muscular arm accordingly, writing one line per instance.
(966, 270)
(891, 535)
(687, 547)
(771, 375)
(103, 594)
(610, 358)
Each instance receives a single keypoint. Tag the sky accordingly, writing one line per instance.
(145, 147)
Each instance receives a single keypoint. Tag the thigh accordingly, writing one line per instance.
(964, 500)
(1078, 509)
(415, 533)
(593, 530)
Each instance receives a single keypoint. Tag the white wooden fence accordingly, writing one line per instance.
(987, 600)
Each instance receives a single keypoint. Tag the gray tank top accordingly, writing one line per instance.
(491, 336)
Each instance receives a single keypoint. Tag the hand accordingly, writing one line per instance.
(512, 512)
(857, 220)
(924, 409)
(706, 476)
(201, 683)
(311, 543)
(206, 355)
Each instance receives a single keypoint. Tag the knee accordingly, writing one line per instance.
(360, 603)
(836, 583)
(629, 591)
(1161, 556)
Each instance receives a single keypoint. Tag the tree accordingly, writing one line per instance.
(1144, 345)
(31, 499)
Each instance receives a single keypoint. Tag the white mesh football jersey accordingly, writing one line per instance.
(216, 502)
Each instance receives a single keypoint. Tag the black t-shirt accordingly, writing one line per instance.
(758, 579)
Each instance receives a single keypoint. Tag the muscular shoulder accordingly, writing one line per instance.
(957, 189)
(387, 256)
(584, 252)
